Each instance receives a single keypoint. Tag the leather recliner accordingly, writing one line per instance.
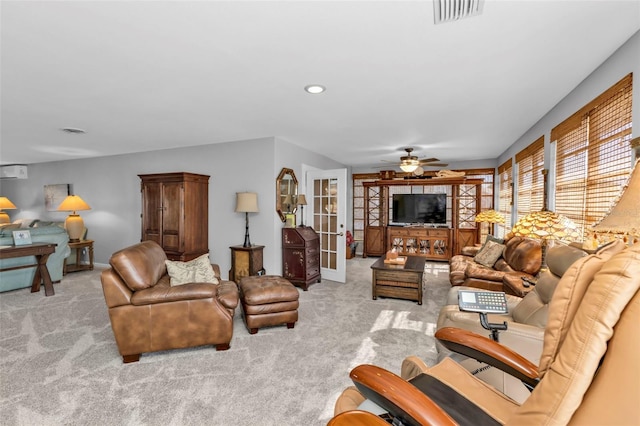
(521, 256)
(526, 320)
(147, 314)
(588, 371)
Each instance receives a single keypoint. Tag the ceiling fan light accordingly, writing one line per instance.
(409, 166)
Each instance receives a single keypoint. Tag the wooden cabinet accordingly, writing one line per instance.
(175, 213)
(301, 256)
(464, 199)
(245, 261)
(432, 243)
(374, 241)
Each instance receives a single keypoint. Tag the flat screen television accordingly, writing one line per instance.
(419, 208)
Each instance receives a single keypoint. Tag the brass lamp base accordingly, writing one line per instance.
(4, 217)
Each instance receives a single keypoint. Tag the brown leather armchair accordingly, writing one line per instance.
(588, 371)
(521, 256)
(147, 314)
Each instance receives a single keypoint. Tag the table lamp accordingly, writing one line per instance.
(246, 202)
(623, 219)
(5, 204)
(546, 225)
(74, 223)
(490, 216)
(302, 201)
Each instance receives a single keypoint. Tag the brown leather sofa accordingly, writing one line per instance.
(147, 314)
(521, 256)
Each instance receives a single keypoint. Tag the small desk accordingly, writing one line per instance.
(41, 251)
(400, 281)
(78, 246)
(245, 261)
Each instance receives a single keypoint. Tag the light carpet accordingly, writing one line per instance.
(60, 364)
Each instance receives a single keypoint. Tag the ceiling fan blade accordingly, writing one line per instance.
(436, 165)
(427, 160)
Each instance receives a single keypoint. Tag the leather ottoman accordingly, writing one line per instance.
(268, 300)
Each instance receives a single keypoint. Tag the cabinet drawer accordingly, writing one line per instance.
(438, 233)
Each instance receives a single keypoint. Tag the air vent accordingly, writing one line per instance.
(73, 130)
(452, 10)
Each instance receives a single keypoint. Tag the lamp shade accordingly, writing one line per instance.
(6, 204)
(490, 216)
(302, 200)
(246, 202)
(546, 225)
(73, 203)
(624, 216)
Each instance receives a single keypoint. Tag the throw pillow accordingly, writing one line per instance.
(198, 270)
(489, 254)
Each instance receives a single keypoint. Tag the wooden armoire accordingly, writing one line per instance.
(175, 213)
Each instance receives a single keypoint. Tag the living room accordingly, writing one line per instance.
(109, 182)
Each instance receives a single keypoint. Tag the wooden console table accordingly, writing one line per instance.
(401, 281)
(41, 251)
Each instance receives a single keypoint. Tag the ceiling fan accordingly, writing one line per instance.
(410, 163)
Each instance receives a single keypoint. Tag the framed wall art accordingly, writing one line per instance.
(55, 194)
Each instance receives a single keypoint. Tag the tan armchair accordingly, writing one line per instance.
(521, 256)
(147, 314)
(588, 372)
(526, 320)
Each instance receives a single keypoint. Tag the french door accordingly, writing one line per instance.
(328, 211)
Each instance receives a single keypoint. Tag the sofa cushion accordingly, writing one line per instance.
(489, 253)
(522, 254)
(198, 270)
(140, 266)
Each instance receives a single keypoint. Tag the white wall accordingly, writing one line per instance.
(110, 185)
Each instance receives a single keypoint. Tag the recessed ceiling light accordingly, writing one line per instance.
(315, 89)
(73, 130)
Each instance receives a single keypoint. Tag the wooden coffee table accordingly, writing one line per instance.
(399, 281)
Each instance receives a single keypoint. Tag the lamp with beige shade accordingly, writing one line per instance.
(74, 223)
(246, 202)
(302, 201)
(5, 204)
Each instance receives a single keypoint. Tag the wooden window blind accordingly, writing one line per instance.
(505, 197)
(530, 178)
(593, 156)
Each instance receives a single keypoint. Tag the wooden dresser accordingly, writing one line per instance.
(301, 256)
(432, 243)
(175, 213)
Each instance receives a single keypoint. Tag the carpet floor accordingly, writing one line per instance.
(59, 363)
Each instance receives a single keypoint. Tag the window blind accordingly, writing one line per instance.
(530, 178)
(505, 196)
(593, 156)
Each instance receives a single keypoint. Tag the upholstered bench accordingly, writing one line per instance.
(268, 300)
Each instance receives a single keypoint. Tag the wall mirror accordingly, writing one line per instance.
(286, 193)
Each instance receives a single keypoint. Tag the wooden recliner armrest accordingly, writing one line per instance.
(490, 352)
(384, 388)
(357, 418)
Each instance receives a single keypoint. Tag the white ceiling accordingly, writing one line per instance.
(149, 75)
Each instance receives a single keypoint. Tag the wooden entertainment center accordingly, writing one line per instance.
(432, 242)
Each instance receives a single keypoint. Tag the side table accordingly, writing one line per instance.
(79, 246)
(245, 261)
